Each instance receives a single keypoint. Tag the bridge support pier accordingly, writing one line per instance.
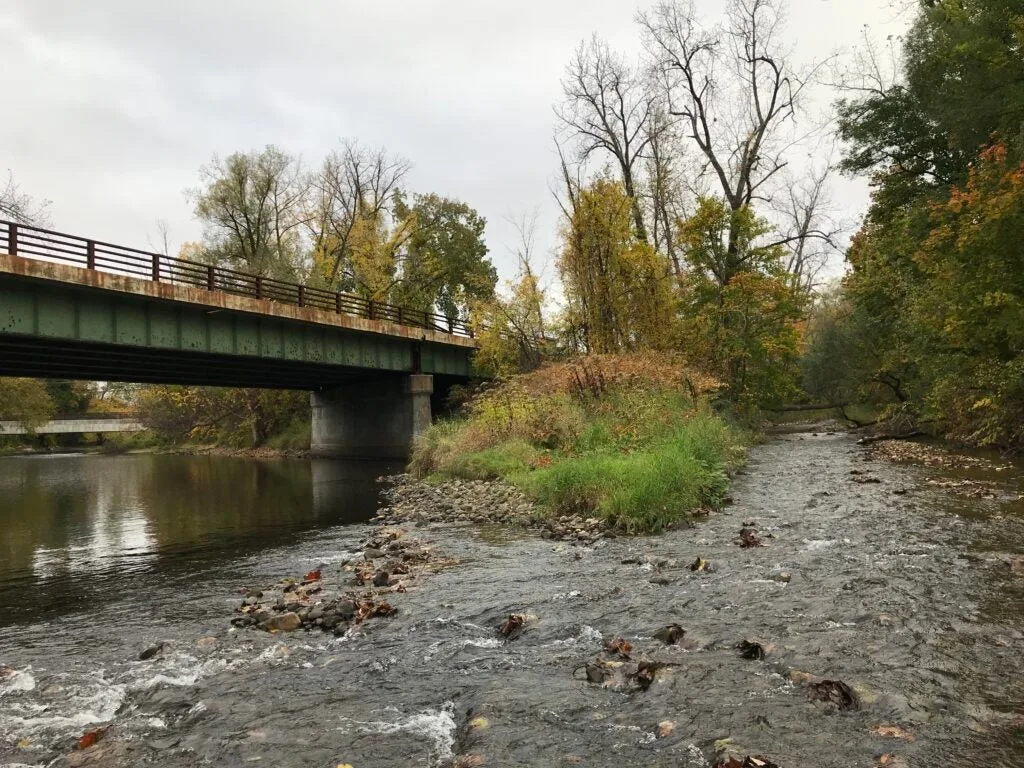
(377, 418)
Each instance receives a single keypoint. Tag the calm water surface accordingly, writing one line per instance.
(896, 586)
(77, 529)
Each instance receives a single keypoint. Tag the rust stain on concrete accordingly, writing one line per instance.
(218, 300)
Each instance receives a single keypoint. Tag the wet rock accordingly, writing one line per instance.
(753, 650)
(206, 643)
(380, 579)
(662, 581)
(748, 538)
(160, 743)
(153, 651)
(372, 553)
(316, 612)
(671, 634)
(647, 672)
(834, 695)
(345, 608)
(285, 622)
(750, 761)
(514, 625)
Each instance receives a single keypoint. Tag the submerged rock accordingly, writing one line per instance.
(284, 622)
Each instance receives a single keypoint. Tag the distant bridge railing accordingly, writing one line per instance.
(34, 242)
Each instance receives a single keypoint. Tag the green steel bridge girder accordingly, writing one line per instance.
(68, 330)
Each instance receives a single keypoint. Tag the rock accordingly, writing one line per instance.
(834, 694)
(207, 642)
(380, 579)
(152, 651)
(670, 635)
(753, 650)
(663, 581)
(345, 608)
(371, 553)
(513, 625)
(315, 613)
(285, 622)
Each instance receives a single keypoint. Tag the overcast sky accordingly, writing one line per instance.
(111, 106)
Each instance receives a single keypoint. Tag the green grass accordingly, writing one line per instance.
(641, 459)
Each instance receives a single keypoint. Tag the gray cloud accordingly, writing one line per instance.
(111, 106)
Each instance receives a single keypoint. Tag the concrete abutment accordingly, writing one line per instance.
(373, 418)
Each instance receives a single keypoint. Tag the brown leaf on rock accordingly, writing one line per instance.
(313, 575)
(619, 646)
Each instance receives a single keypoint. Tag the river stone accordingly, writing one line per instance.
(152, 651)
(372, 552)
(315, 613)
(286, 622)
(346, 608)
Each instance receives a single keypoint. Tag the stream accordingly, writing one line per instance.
(870, 574)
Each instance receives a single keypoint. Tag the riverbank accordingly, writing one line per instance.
(904, 599)
(631, 440)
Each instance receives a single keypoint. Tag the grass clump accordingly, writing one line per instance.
(631, 439)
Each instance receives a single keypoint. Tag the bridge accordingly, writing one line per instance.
(99, 424)
(78, 308)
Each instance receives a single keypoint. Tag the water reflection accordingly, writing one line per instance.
(71, 524)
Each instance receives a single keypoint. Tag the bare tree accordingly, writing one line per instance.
(353, 183)
(20, 207)
(735, 92)
(607, 110)
(806, 228)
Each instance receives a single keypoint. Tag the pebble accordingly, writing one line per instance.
(481, 501)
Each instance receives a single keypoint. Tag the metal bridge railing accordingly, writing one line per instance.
(37, 243)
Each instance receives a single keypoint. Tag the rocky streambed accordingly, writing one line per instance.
(843, 611)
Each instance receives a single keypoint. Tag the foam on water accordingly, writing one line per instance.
(18, 681)
(437, 726)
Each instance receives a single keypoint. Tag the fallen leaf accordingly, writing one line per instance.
(313, 575)
(700, 564)
(892, 732)
(479, 722)
(665, 728)
(91, 737)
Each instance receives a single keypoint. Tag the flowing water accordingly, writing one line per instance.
(896, 587)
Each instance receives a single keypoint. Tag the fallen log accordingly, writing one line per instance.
(878, 438)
